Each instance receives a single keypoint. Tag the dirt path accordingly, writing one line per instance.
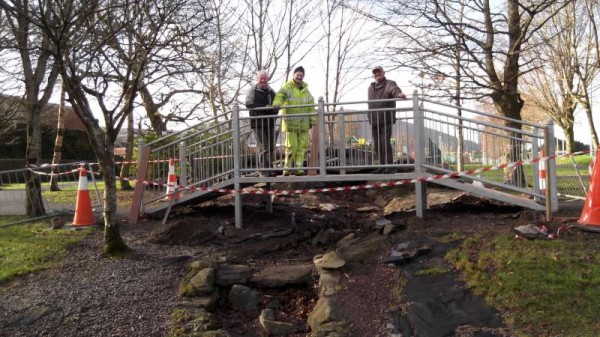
(90, 295)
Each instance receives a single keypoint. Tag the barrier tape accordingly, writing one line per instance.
(512, 165)
(54, 174)
(366, 186)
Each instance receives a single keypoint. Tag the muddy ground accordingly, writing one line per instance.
(91, 295)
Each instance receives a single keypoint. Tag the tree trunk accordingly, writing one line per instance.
(593, 133)
(34, 203)
(58, 143)
(113, 243)
(458, 99)
(510, 106)
(125, 185)
(156, 121)
(570, 138)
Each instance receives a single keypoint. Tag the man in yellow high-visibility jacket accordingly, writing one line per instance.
(295, 92)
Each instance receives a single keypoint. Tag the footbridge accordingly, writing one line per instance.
(432, 142)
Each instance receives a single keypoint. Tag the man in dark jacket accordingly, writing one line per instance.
(259, 96)
(382, 121)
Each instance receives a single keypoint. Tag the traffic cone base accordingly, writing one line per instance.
(594, 229)
(84, 215)
(590, 215)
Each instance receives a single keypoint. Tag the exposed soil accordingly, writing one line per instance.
(89, 294)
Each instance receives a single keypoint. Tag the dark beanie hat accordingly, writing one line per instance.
(299, 69)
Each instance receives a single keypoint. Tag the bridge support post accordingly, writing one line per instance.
(182, 165)
(420, 187)
(342, 141)
(269, 200)
(535, 152)
(551, 191)
(235, 126)
(322, 149)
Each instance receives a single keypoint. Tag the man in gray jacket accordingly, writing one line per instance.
(261, 95)
(382, 121)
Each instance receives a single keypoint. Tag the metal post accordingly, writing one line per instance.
(269, 200)
(342, 137)
(138, 192)
(321, 124)
(140, 147)
(90, 169)
(551, 191)
(182, 165)
(420, 187)
(235, 125)
(535, 152)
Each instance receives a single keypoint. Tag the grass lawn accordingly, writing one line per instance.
(30, 247)
(545, 287)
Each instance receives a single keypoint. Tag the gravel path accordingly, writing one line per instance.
(91, 295)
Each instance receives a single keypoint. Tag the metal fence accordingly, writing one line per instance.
(233, 150)
(58, 183)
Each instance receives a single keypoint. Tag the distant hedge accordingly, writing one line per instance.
(76, 145)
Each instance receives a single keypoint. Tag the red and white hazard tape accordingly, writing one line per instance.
(370, 186)
(54, 174)
(365, 186)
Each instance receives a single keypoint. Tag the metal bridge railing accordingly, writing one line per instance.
(427, 137)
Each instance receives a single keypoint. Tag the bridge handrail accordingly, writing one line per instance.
(484, 114)
(227, 153)
(202, 123)
(501, 127)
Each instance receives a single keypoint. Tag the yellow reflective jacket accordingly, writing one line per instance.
(290, 94)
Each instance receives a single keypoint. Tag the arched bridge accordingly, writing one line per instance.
(429, 139)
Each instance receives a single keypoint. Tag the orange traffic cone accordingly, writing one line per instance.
(172, 182)
(590, 215)
(83, 207)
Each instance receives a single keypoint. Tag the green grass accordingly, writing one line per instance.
(544, 288)
(31, 247)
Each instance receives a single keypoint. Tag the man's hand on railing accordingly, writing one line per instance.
(401, 95)
(276, 108)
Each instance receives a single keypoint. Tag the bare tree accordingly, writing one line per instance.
(549, 86)
(278, 32)
(124, 173)
(10, 108)
(171, 76)
(588, 61)
(85, 39)
(58, 142)
(39, 74)
(300, 36)
(492, 37)
(566, 63)
(11, 98)
(342, 40)
(224, 60)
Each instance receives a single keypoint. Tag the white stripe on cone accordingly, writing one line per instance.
(171, 181)
(542, 178)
